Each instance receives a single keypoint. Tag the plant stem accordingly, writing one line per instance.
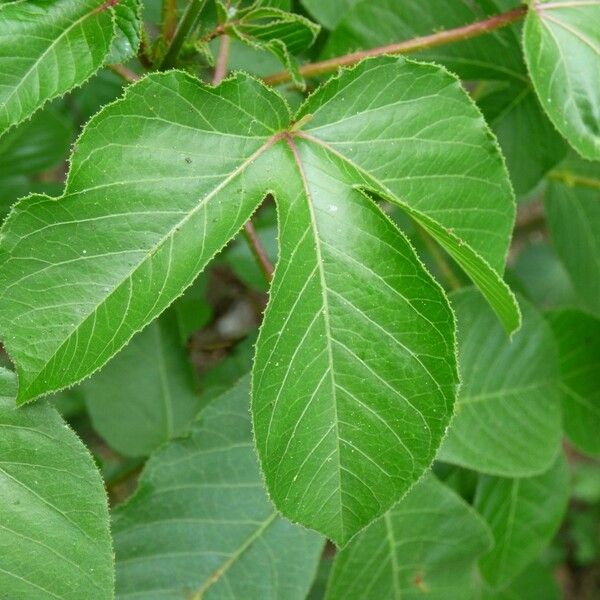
(222, 58)
(127, 74)
(169, 19)
(258, 250)
(440, 260)
(186, 25)
(414, 45)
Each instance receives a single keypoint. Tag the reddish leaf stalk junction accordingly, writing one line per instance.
(321, 68)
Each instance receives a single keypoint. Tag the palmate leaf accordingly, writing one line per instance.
(200, 524)
(426, 546)
(529, 141)
(54, 535)
(523, 515)
(561, 39)
(47, 48)
(578, 337)
(507, 419)
(146, 395)
(161, 180)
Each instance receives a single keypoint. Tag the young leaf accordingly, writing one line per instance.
(281, 33)
(523, 515)
(146, 395)
(48, 48)
(128, 15)
(507, 420)
(201, 525)
(573, 216)
(562, 47)
(578, 338)
(426, 546)
(54, 534)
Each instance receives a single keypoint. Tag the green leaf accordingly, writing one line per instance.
(329, 13)
(201, 525)
(476, 232)
(578, 338)
(367, 24)
(507, 420)
(54, 534)
(281, 33)
(47, 48)
(561, 39)
(426, 546)
(147, 204)
(39, 144)
(146, 395)
(528, 139)
(156, 188)
(535, 583)
(523, 515)
(573, 216)
(543, 277)
(128, 14)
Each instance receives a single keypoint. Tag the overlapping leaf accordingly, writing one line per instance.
(578, 338)
(54, 534)
(47, 48)
(537, 582)
(426, 546)
(128, 21)
(507, 419)
(201, 525)
(572, 204)
(38, 144)
(562, 46)
(281, 33)
(529, 141)
(146, 395)
(523, 515)
(162, 179)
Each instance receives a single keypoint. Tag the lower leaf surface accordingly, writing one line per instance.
(201, 525)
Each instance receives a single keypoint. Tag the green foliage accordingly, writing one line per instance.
(428, 543)
(60, 44)
(523, 515)
(146, 395)
(200, 523)
(258, 282)
(54, 537)
(578, 337)
(507, 419)
(558, 38)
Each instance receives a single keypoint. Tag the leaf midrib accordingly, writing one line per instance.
(218, 573)
(294, 149)
(152, 251)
